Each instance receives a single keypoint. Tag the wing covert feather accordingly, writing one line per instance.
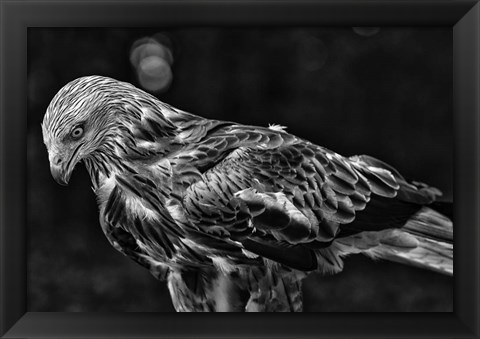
(266, 177)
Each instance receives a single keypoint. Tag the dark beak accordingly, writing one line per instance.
(60, 175)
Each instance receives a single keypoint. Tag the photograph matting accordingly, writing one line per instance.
(18, 16)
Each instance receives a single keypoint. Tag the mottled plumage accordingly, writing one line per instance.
(234, 216)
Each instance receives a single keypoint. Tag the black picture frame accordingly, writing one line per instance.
(17, 16)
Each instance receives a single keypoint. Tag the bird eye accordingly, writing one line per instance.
(77, 132)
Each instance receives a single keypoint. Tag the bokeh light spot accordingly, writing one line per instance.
(152, 61)
(154, 74)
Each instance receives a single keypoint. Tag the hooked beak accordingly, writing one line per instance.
(61, 166)
(60, 175)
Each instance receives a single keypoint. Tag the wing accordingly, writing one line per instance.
(284, 198)
(136, 203)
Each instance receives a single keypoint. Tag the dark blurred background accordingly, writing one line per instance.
(386, 92)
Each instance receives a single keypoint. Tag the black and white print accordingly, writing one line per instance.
(238, 169)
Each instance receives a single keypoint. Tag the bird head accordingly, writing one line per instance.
(96, 114)
(80, 117)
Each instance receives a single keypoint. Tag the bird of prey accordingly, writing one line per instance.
(233, 216)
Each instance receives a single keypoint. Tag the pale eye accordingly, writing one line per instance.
(77, 132)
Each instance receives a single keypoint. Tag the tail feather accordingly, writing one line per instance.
(425, 241)
(433, 233)
(430, 224)
(429, 254)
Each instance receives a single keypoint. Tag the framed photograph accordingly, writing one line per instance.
(382, 93)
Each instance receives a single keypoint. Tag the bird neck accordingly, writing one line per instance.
(103, 162)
